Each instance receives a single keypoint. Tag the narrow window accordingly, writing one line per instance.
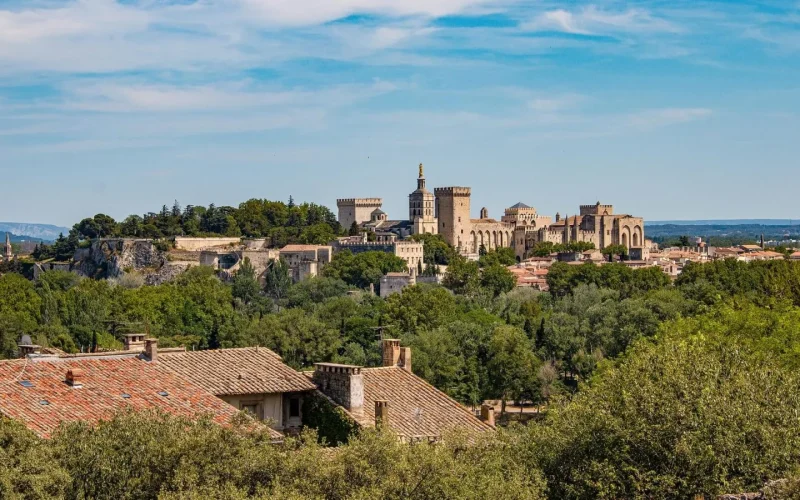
(294, 407)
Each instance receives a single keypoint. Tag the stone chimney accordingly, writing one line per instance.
(342, 383)
(151, 349)
(133, 341)
(391, 352)
(75, 378)
(26, 346)
(405, 358)
(487, 414)
(381, 412)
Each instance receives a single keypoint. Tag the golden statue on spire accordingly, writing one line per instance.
(420, 171)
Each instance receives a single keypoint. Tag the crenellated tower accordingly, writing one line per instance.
(452, 210)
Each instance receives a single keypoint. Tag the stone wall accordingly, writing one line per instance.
(196, 244)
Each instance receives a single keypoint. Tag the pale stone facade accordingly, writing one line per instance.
(393, 283)
(596, 224)
(447, 212)
(410, 251)
(358, 210)
(421, 209)
(306, 261)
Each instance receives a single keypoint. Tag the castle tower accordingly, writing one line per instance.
(452, 210)
(8, 253)
(358, 210)
(484, 213)
(421, 208)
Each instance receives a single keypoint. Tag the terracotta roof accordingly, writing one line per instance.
(416, 408)
(46, 399)
(795, 256)
(224, 372)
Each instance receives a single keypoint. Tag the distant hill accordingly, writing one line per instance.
(726, 222)
(22, 231)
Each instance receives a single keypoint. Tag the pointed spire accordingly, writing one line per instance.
(8, 254)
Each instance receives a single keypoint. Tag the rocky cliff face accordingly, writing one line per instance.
(111, 258)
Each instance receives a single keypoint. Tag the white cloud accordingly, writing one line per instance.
(312, 12)
(551, 104)
(593, 21)
(654, 118)
(123, 97)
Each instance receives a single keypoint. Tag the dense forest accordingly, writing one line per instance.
(651, 389)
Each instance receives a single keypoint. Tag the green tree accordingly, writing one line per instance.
(364, 268)
(462, 276)
(512, 365)
(354, 230)
(497, 279)
(245, 283)
(278, 279)
(420, 307)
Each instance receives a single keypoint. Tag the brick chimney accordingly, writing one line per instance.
(394, 355)
(487, 414)
(342, 383)
(381, 412)
(75, 378)
(391, 352)
(133, 341)
(151, 349)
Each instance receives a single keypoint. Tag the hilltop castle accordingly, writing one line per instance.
(447, 211)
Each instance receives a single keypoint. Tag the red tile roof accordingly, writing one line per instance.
(49, 400)
(417, 410)
(227, 372)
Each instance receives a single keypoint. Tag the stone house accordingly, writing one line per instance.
(393, 396)
(253, 379)
(306, 261)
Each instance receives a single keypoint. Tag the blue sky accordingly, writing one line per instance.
(667, 109)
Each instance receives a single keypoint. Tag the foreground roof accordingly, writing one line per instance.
(228, 372)
(34, 391)
(416, 408)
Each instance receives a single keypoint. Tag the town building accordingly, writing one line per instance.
(448, 212)
(356, 210)
(393, 396)
(596, 224)
(392, 283)
(253, 379)
(410, 251)
(306, 261)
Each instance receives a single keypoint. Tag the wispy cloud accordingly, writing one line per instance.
(592, 20)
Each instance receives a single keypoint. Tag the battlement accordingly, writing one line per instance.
(378, 244)
(452, 191)
(597, 209)
(359, 202)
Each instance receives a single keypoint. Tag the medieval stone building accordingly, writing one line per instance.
(447, 211)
